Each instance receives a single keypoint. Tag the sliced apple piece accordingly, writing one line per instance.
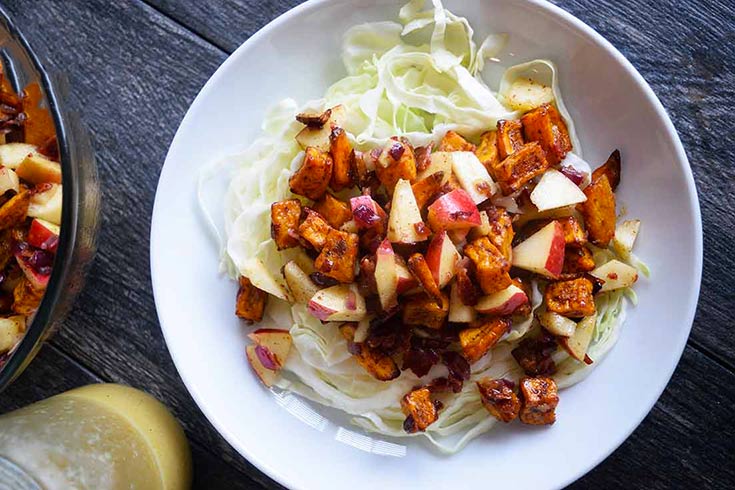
(616, 275)
(272, 346)
(555, 190)
(452, 211)
(299, 283)
(367, 213)
(473, 176)
(483, 229)
(38, 169)
(37, 278)
(340, 303)
(11, 332)
(386, 275)
(9, 180)
(12, 154)
(442, 258)
(46, 204)
(318, 137)
(404, 223)
(406, 281)
(557, 324)
(578, 344)
(441, 161)
(267, 376)
(542, 252)
(625, 235)
(458, 311)
(43, 234)
(504, 302)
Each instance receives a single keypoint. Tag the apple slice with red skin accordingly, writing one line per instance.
(406, 281)
(272, 346)
(502, 303)
(454, 210)
(616, 275)
(458, 311)
(405, 224)
(267, 376)
(442, 257)
(38, 281)
(555, 190)
(43, 234)
(367, 213)
(578, 344)
(560, 326)
(542, 252)
(473, 176)
(340, 303)
(386, 275)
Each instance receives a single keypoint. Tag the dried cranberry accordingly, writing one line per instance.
(420, 361)
(572, 174)
(409, 425)
(365, 215)
(323, 280)
(457, 365)
(396, 151)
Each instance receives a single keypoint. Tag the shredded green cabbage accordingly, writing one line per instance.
(417, 78)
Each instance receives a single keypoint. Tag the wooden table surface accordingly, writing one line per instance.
(135, 66)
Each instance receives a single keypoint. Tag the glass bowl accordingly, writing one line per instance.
(80, 204)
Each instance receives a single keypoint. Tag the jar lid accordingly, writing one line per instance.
(13, 477)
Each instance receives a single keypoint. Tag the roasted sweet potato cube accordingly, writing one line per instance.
(396, 162)
(343, 157)
(574, 233)
(339, 256)
(26, 298)
(250, 302)
(545, 125)
(523, 165)
(422, 310)
(611, 168)
(426, 189)
(577, 260)
(285, 217)
(534, 355)
(333, 210)
(487, 151)
(15, 210)
(418, 406)
(499, 399)
(599, 211)
(539, 398)
(378, 364)
(510, 137)
(420, 270)
(314, 229)
(571, 298)
(312, 179)
(480, 338)
(501, 230)
(453, 141)
(491, 266)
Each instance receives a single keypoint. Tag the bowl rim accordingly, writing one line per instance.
(590, 34)
(63, 262)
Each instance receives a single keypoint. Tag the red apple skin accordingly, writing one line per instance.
(511, 305)
(319, 312)
(267, 331)
(406, 281)
(434, 257)
(367, 213)
(266, 357)
(38, 281)
(41, 237)
(452, 211)
(555, 259)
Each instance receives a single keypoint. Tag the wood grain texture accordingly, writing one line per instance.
(134, 72)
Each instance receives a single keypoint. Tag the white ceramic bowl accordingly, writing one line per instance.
(297, 56)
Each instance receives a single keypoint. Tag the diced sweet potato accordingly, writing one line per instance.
(510, 137)
(420, 270)
(534, 355)
(523, 165)
(418, 406)
(611, 168)
(312, 179)
(577, 260)
(250, 303)
(425, 190)
(26, 298)
(501, 230)
(314, 229)
(285, 217)
(487, 151)
(545, 125)
(539, 398)
(599, 211)
(572, 298)
(491, 266)
(15, 210)
(468, 291)
(342, 160)
(479, 339)
(333, 210)
(396, 162)
(423, 310)
(453, 141)
(574, 233)
(338, 256)
(379, 365)
(499, 399)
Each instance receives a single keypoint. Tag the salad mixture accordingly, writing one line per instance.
(429, 255)
(30, 208)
